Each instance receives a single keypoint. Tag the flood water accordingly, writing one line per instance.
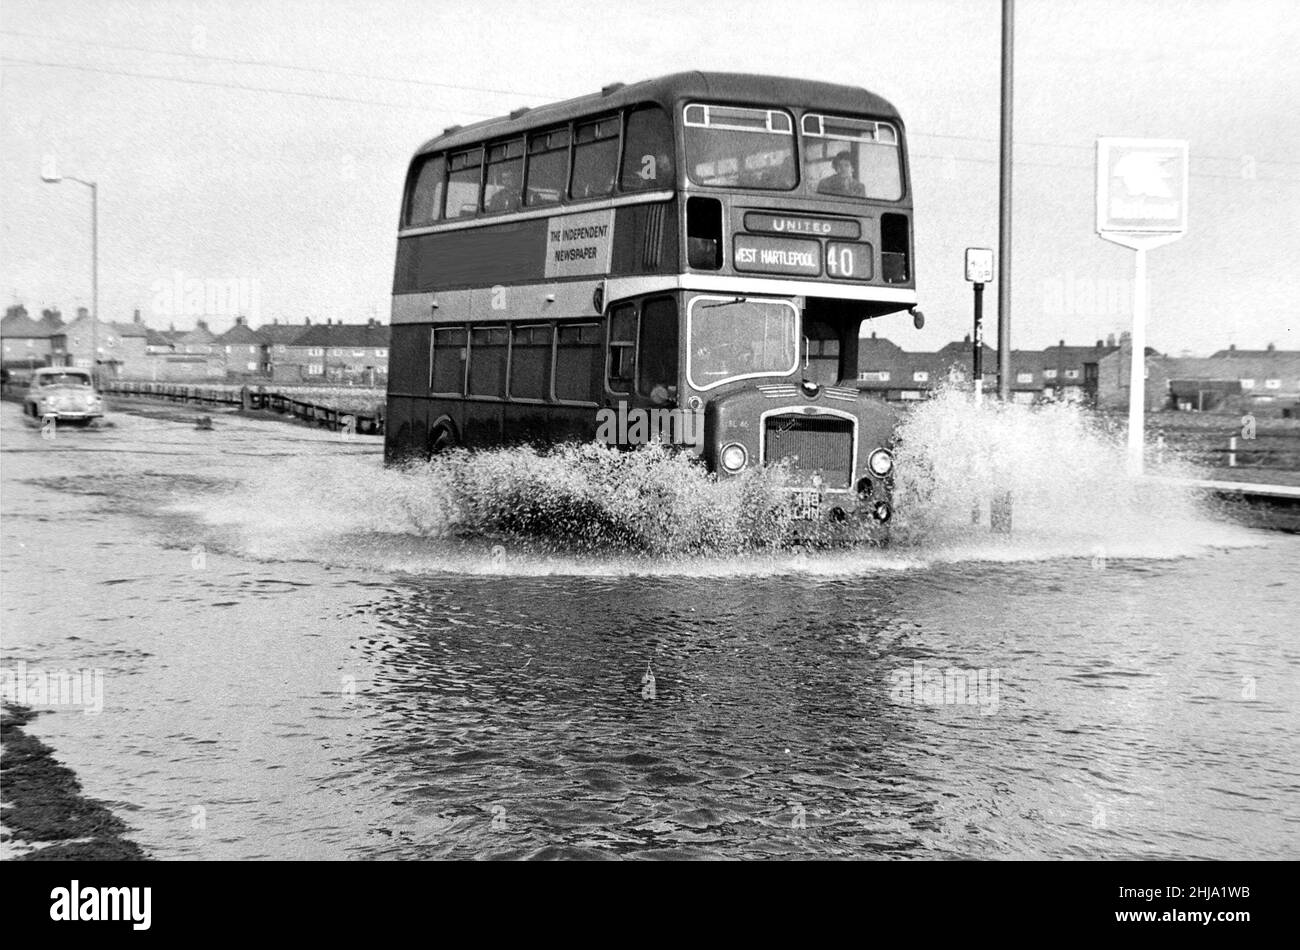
(291, 670)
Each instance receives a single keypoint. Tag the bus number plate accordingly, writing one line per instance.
(848, 261)
(806, 503)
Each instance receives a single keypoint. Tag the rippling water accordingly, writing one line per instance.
(292, 670)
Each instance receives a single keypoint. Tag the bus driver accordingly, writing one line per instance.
(842, 182)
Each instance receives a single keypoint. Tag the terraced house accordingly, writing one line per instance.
(339, 352)
(1070, 373)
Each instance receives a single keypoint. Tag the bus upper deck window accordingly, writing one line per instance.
(732, 147)
(595, 158)
(648, 155)
(548, 165)
(463, 180)
(504, 181)
(424, 201)
(851, 158)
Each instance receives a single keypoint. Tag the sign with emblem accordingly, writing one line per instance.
(1141, 190)
(1142, 204)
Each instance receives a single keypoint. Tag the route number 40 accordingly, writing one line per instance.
(842, 261)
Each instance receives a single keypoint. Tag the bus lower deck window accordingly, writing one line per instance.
(448, 374)
(658, 364)
(530, 362)
(622, 348)
(487, 361)
(578, 362)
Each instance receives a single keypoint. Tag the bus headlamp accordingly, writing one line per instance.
(733, 457)
(881, 462)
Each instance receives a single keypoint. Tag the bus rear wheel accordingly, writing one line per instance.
(441, 439)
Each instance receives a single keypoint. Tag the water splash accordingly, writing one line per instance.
(593, 510)
(1059, 468)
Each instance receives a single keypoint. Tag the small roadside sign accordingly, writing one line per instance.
(979, 265)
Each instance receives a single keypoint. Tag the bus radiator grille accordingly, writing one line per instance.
(812, 445)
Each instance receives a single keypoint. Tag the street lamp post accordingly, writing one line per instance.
(52, 177)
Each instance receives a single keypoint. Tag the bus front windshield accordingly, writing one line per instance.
(731, 147)
(738, 337)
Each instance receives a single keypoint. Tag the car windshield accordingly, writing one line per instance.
(63, 379)
(730, 147)
(738, 337)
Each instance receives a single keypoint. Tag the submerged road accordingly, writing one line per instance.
(292, 668)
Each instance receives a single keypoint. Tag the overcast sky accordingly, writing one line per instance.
(215, 170)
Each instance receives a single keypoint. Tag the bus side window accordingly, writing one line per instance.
(648, 155)
(548, 166)
(424, 203)
(658, 365)
(595, 158)
(503, 184)
(487, 361)
(530, 361)
(448, 373)
(578, 362)
(463, 183)
(622, 348)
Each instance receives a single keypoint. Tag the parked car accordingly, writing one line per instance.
(67, 394)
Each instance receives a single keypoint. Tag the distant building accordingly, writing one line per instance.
(1256, 378)
(1069, 373)
(27, 344)
(243, 349)
(340, 352)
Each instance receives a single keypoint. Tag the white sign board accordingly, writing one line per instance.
(979, 265)
(579, 244)
(1141, 191)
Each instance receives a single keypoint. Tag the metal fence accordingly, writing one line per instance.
(249, 399)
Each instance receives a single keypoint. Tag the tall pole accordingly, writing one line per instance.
(94, 283)
(1004, 209)
(1137, 365)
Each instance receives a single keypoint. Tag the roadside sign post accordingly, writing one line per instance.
(979, 271)
(1141, 204)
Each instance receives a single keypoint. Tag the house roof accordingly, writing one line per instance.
(344, 334)
(241, 333)
(281, 333)
(20, 326)
(127, 328)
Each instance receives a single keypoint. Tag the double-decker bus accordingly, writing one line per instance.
(690, 257)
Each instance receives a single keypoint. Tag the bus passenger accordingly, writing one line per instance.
(842, 182)
(506, 197)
